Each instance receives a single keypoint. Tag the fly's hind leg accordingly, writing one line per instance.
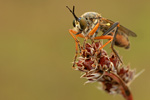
(114, 29)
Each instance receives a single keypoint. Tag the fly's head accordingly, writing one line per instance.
(80, 24)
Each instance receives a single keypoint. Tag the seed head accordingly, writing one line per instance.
(99, 67)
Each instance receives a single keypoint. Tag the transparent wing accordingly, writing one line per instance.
(122, 29)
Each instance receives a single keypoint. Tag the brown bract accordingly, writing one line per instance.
(98, 66)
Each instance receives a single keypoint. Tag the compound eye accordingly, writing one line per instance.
(83, 23)
(74, 23)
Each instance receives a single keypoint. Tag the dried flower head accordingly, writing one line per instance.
(98, 66)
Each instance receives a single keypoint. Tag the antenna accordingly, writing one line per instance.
(72, 11)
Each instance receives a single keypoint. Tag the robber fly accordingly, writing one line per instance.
(90, 23)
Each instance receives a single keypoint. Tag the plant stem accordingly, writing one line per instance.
(124, 88)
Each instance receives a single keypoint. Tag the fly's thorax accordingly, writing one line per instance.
(92, 19)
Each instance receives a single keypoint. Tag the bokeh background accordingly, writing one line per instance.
(36, 49)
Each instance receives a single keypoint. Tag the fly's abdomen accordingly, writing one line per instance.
(122, 41)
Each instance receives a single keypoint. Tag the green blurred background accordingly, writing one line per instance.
(36, 49)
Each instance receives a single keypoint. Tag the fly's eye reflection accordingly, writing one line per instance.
(73, 23)
(83, 23)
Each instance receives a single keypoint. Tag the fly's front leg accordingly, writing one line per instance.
(76, 54)
(77, 42)
(85, 39)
